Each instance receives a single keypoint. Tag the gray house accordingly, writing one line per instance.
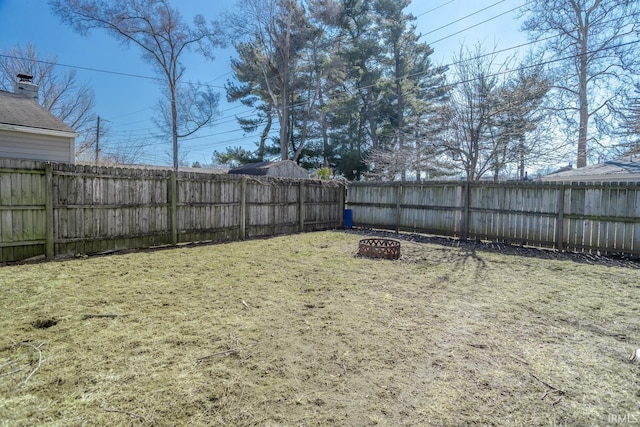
(28, 131)
(281, 169)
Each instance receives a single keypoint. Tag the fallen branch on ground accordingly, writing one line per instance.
(108, 316)
(14, 371)
(551, 390)
(219, 353)
(11, 362)
(36, 348)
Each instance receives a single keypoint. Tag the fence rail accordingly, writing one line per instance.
(61, 209)
(594, 217)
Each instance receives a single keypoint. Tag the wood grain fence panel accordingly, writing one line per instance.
(22, 213)
(312, 195)
(429, 208)
(259, 210)
(98, 209)
(5, 188)
(585, 216)
(322, 205)
(381, 205)
(634, 212)
(94, 209)
(616, 207)
(575, 220)
(549, 207)
(602, 202)
(625, 229)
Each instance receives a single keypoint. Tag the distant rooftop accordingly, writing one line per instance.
(622, 169)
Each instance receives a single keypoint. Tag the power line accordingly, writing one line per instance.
(118, 73)
(435, 8)
(539, 64)
(478, 24)
(78, 67)
(464, 17)
(210, 145)
(218, 121)
(357, 89)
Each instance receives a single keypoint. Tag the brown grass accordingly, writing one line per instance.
(297, 331)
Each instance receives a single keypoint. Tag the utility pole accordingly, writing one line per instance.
(97, 140)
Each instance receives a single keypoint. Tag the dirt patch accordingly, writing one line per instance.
(45, 323)
(298, 330)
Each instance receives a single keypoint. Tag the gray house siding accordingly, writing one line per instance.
(37, 146)
(29, 132)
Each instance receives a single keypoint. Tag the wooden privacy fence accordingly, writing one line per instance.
(61, 209)
(594, 217)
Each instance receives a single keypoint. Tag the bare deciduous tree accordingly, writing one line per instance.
(593, 41)
(58, 92)
(489, 113)
(196, 106)
(629, 131)
(156, 28)
(470, 112)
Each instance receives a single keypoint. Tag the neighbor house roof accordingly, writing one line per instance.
(623, 169)
(282, 169)
(260, 168)
(21, 113)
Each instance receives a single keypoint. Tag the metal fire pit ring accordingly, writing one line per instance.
(379, 248)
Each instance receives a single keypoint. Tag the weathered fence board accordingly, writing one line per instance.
(60, 209)
(593, 217)
(323, 206)
(22, 213)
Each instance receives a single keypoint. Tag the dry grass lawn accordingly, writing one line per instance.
(297, 331)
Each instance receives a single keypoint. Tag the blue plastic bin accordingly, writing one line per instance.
(348, 218)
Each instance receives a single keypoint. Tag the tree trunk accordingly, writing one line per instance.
(265, 135)
(400, 112)
(285, 124)
(582, 89)
(174, 127)
(584, 105)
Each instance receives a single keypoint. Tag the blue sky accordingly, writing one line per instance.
(127, 102)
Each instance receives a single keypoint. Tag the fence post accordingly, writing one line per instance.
(301, 206)
(173, 207)
(49, 248)
(560, 219)
(398, 205)
(243, 208)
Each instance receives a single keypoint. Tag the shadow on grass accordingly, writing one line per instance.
(472, 248)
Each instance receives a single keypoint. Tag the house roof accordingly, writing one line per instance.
(622, 169)
(260, 168)
(20, 111)
(282, 169)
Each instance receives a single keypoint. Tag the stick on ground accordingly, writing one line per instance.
(108, 316)
(551, 390)
(36, 348)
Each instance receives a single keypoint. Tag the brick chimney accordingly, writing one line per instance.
(25, 86)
